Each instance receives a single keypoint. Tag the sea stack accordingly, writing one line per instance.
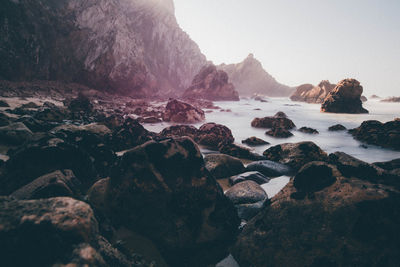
(345, 98)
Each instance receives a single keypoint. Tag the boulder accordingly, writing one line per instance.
(181, 112)
(180, 130)
(176, 202)
(238, 151)
(29, 105)
(269, 168)
(337, 127)
(213, 135)
(55, 184)
(248, 197)
(279, 132)
(4, 119)
(51, 113)
(223, 166)
(80, 104)
(364, 98)
(254, 176)
(35, 125)
(380, 134)
(4, 104)
(308, 130)
(212, 84)
(344, 98)
(312, 94)
(389, 165)
(279, 120)
(15, 134)
(254, 141)
(350, 222)
(295, 155)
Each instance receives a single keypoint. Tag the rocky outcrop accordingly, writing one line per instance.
(163, 190)
(323, 218)
(134, 47)
(380, 134)
(211, 84)
(279, 120)
(213, 135)
(344, 98)
(312, 94)
(181, 112)
(249, 78)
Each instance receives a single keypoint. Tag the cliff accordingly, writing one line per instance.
(312, 94)
(129, 46)
(249, 77)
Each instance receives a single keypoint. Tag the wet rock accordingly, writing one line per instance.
(177, 204)
(312, 94)
(254, 176)
(212, 84)
(344, 98)
(4, 104)
(238, 151)
(55, 184)
(248, 197)
(15, 134)
(392, 99)
(4, 120)
(181, 112)
(129, 135)
(44, 156)
(314, 176)
(30, 105)
(51, 113)
(308, 130)
(337, 127)
(223, 166)
(35, 125)
(254, 141)
(80, 104)
(180, 130)
(295, 155)
(150, 120)
(389, 165)
(279, 120)
(380, 134)
(113, 121)
(213, 135)
(279, 132)
(358, 220)
(269, 168)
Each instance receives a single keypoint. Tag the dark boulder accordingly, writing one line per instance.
(314, 176)
(179, 131)
(223, 166)
(308, 130)
(238, 151)
(213, 135)
(80, 104)
(279, 120)
(279, 132)
(15, 134)
(336, 127)
(181, 112)
(254, 141)
(4, 104)
(254, 176)
(269, 168)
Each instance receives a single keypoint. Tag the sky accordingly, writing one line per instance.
(302, 41)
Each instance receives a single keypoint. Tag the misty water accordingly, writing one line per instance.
(303, 114)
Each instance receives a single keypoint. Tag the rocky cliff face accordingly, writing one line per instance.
(130, 46)
(312, 94)
(250, 78)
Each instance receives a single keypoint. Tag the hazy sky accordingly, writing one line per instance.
(302, 41)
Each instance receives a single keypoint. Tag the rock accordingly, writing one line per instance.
(312, 94)
(238, 151)
(295, 155)
(389, 165)
(248, 197)
(279, 132)
(254, 141)
(212, 84)
(51, 114)
(4, 119)
(15, 134)
(364, 98)
(180, 130)
(55, 184)
(280, 120)
(344, 98)
(113, 46)
(30, 105)
(42, 157)
(4, 104)
(35, 125)
(308, 130)
(380, 134)
(249, 77)
(254, 176)
(150, 120)
(213, 135)
(269, 168)
(80, 104)
(314, 176)
(129, 135)
(337, 127)
(181, 112)
(223, 166)
(349, 223)
(391, 99)
(176, 203)
(53, 232)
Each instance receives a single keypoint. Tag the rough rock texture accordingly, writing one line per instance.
(279, 120)
(269, 168)
(53, 232)
(249, 78)
(181, 112)
(312, 94)
(130, 46)
(179, 131)
(279, 132)
(254, 176)
(337, 127)
(296, 155)
(213, 135)
(308, 130)
(15, 133)
(344, 98)
(377, 133)
(314, 176)
(163, 190)
(211, 84)
(238, 151)
(254, 141)
(350, 222)
(223, 166)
